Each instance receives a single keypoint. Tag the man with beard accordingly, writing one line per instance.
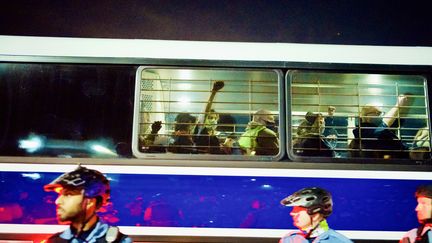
(81, 193)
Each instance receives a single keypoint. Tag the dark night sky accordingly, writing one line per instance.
(366, 22)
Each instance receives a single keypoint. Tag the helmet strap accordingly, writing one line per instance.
(318, 229)
(84, 219)
(308, 234)
(419, 232)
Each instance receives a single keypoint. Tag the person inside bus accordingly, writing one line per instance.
(231, 145)
(205, 137)
(259, 138)
(421, 149)
(331, 123)
(305, 126)
(310, 209)
(182, 138)
(422, 234)
(226, 124)
(82, 193)
(151, 143)
(373, 138)
(310, 140)
(206, 140)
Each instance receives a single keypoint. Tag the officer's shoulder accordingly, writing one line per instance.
(293, 236)
(338, 237)
(55, 238)
(113, 234)
(410, 234)
(124, 238)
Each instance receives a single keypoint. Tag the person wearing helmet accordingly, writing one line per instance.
(422, 234)
(310, 208)
(81, 193)
(259, 138)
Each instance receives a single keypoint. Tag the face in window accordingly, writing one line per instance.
(378, 120)
(69, 204)
(301, 219)
(185, 123)
(372, 114)
(319, 125)
(424, 208)
(211, 121)
(331, 110)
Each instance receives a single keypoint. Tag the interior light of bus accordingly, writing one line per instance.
(377, 104)
(184, 101)
(184, 86)
(185, 74)
(374, 79)
(31, 144)
(375, 90)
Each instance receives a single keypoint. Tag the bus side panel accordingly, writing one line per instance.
(218, 201)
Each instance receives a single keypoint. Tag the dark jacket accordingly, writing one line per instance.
(312, 144)
(97, 234)
(376, 142)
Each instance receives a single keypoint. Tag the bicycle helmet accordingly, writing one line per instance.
(314, 199)
(93, 182)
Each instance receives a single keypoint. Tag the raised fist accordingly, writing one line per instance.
(156, 126)
(402, 100)
(218, 85)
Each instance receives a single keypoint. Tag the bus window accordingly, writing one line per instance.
(66, 110)
(342, 115)
(224, 112)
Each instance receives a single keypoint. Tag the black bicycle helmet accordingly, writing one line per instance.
(314, 199)
(94, 183)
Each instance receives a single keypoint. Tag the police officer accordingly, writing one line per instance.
(310, 208)
(81, 193)
(422, 234)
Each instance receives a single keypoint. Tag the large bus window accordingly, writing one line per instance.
(70, 111)
(223, 112)
(343, 115)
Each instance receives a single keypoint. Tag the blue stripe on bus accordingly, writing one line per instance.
(219, 201)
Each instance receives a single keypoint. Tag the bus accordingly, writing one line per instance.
(201, 140)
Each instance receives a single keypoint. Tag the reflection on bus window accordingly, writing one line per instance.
(207, 111)
(70, 111)
(359, 115)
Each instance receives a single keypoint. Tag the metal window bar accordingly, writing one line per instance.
(169, 123)
(303, 94)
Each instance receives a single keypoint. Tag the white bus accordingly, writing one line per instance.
(201, 140)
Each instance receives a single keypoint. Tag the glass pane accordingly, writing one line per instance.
(208, 111)
(55, 110)
(359, 115)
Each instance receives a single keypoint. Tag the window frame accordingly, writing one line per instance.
(212, 157)
(361, 71)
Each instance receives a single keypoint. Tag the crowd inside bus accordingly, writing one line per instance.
(65, 110)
